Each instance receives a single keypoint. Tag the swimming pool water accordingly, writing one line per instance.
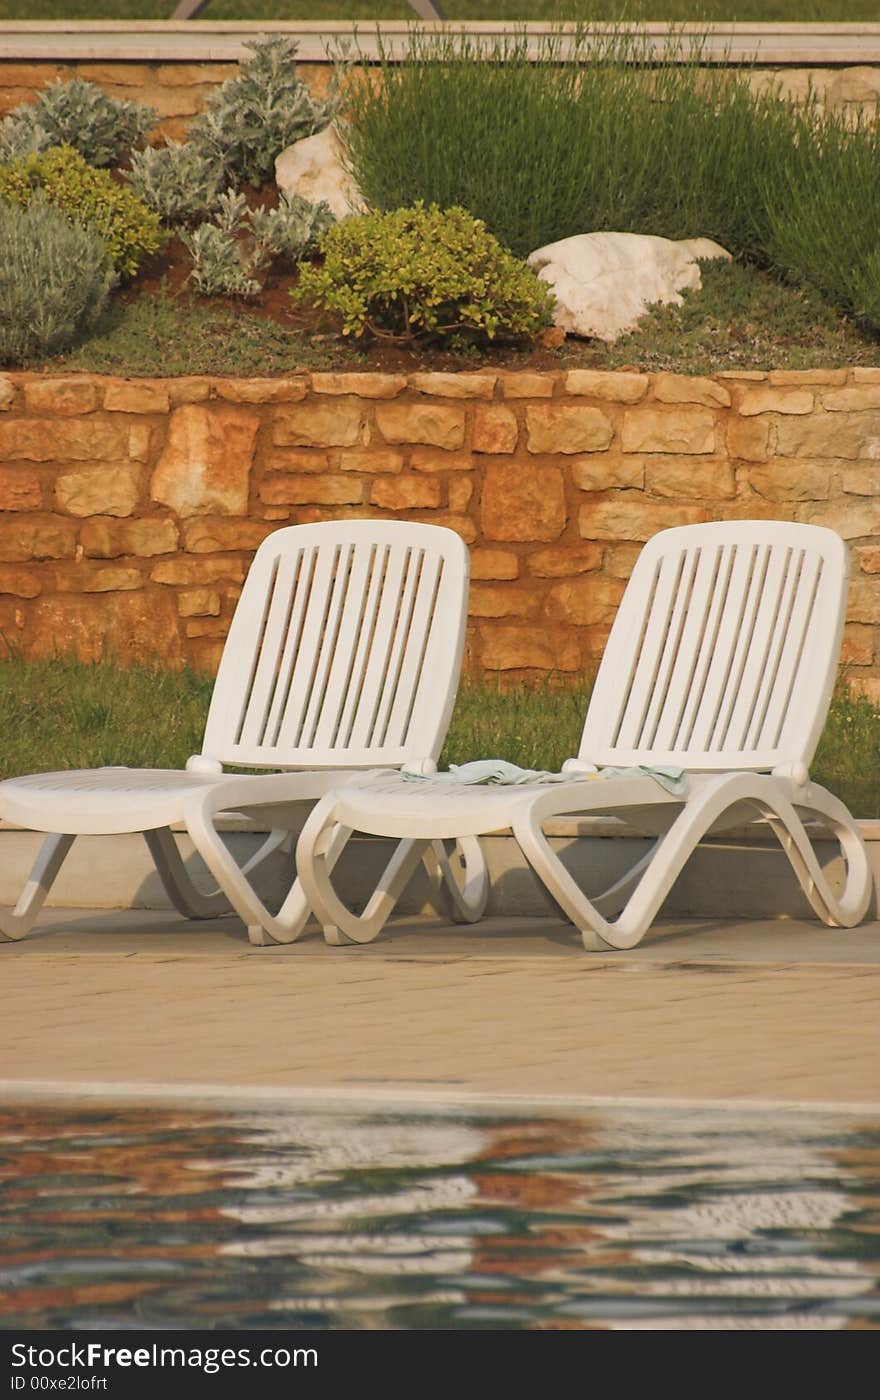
(619, 1218)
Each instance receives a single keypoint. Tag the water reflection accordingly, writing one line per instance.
(619, 1219)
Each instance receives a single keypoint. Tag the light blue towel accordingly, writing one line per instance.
(499, 771)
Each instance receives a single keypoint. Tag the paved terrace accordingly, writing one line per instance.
(757, 1011)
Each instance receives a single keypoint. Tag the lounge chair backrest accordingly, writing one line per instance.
(345, 648)
(724, 651)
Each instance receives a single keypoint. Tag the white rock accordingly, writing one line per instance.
(313, 168)
(605, 282)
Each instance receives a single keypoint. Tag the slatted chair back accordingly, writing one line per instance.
(345, 648)
(724, 650)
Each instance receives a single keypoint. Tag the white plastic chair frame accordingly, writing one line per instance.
(343, 656)
(721, 661)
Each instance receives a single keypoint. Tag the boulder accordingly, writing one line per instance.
(313, 168)
(605, 282)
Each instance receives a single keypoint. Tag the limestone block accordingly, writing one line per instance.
(585, 602)
(606, 473)
(405, 492)
(498, 564)
(863, 600)
(461, 524)
(774, 400)
(371, 459)
(314, 169)
(137, 396)
(364, 386)
(856, 397)
(262, 390)
(860, 84)
(215, 536)
(861, 480)
(194, 572)
(126, 74)
(90, 580)
(435, 425)
(865, 374)
(615, 386)
(522, 502)
(455, 386)
(20, 583)
(685, 388)
(120, 626)
(292, 461)
(500, 600)
(312, 490)
(791, 481)
(93, 439)
(555, 427)
(507, 647)
(206, 627)
(749, 438)
(99, 489)
(676, 430)
(103, 538)
(561, 561)
(423, 459)
(628, 519)
(459, 493)
(63, 397)
(825, 377)
(605, 282)
(851, 435)
(857, 648)
(852, 521)
(494, 430)
(868, 557)
(36, 539)
(691, 479)
(20, 489)
(198, 602)
(188, 390)
(204, 468)
(620, 559)
(333, 424)
(526, 384)
(7, 393)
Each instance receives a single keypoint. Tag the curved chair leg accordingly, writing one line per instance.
(17, 923)
(463, 876)
(848, 908)
(187, 899)
(314, 852)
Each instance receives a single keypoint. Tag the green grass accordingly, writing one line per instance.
(766, 11)
(741, 318)
(58, 713)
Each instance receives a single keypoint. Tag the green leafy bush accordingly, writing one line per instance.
(89, 197)
(253, 117)
(231, 253)
(54, 280)
(78, 114)
(178, 181)
(424, 274)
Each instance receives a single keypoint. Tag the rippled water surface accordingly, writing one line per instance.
(625, 1219)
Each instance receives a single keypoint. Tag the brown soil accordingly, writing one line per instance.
(168, 271)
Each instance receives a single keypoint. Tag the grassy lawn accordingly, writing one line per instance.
(61, 714)
(765, 11)
(742, 318)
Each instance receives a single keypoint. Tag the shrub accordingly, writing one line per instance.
(178, 181)
(231, 253)
(89, 197)
(20, 136)
(251, 118)
(78, 114)
(422, 274)
(54, 280)
(595, 138)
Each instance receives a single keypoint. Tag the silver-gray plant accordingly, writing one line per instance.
(55, 278)
(291, 230)
(251, 118)
(77, 113)
(178, 181)
(21, 136)
(230, 254)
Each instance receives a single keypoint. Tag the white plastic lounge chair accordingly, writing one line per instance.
(343, 656)
(721, 662)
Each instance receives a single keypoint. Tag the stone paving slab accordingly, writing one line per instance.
(774, 1010)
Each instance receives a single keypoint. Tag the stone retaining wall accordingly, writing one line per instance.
(178, 90)
(130, 509)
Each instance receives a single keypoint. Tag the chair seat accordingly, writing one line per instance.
(101, 801)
